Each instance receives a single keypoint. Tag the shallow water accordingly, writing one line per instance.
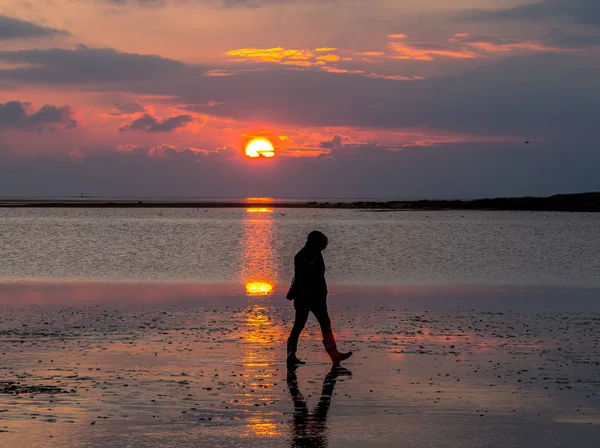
(175, 371)
(258, 244)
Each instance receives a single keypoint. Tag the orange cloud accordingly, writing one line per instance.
(309, 58)
(161, 151)
(494, 44)
(276, 54)
(219, 73)
(329, 58)
(427, 52)
(400, 47)
(534, 46)
(335, 70)
(463, 46)
(285, 56)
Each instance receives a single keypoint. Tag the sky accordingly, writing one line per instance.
(360, 98)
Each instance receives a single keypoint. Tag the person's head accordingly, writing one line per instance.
(316, 240)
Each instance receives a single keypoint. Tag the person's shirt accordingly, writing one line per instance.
(309, 272)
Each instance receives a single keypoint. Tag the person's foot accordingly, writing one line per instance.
(292, 360)
(338, 357)
(332, 351)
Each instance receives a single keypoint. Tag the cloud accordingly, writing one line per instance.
(464, 46)
(584, 12)
(162, 151)
(334, 143)
(12, 28)
(149, 123)
(464, 170)
(276, 54)
(19, 115)
(129, 108)
(568, 40)
(322, 58)
(544, 94)
(426, 51)
(88, 65)
(458, 46)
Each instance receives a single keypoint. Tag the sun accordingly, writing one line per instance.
(260, 147)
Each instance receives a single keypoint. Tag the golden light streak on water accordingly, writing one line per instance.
(259, 210)
(258, 289)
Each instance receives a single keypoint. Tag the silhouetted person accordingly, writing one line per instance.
(309, 293)
(309, 427)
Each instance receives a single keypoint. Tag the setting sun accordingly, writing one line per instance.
(260, 147)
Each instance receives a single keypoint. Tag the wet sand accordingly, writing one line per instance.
(88, 365)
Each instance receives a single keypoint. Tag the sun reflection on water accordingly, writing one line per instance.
(261, 333)
(259, 288)
(259, 210)
(259, 260)
(263, 427)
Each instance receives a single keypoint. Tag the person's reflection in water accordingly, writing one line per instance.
(309, 428)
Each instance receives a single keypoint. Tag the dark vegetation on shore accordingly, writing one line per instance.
(582, 202)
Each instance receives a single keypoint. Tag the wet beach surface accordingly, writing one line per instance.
(162, 365)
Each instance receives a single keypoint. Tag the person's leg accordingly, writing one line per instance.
(322, 315)
(292, 342)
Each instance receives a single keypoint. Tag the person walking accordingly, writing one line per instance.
(309, 293)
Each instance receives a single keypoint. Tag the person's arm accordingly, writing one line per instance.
(301, 271)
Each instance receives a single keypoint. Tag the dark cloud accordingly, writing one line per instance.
(11, 28)
(334, 143)
(131, 107)
(86, 65)
(149, 123)
(19, 115)
(568, 40)
(584, 12)
(465, 170)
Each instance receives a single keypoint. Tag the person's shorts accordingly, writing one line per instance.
(311, 304)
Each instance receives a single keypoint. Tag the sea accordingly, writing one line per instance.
(256, 244)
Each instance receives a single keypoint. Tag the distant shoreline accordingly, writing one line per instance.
(581, 202)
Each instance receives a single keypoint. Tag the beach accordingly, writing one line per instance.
(178, 365)
(143, 328)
